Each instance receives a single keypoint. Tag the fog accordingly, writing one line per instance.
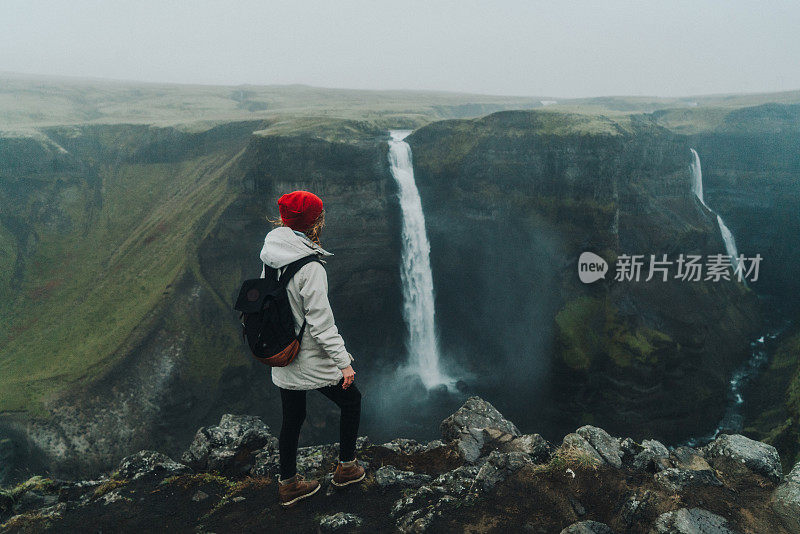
(557, 49)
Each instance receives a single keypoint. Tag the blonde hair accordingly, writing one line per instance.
(313, 232)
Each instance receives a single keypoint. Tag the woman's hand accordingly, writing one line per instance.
(349, 376)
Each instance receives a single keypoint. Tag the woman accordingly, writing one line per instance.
(323, 363)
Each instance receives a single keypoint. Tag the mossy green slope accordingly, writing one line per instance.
(101, 267)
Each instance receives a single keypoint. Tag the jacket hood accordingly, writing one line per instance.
(283, 245)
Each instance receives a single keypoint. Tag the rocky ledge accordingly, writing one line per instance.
(484, 475)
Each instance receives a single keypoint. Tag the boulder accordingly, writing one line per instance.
(637, 507)
(229, 447)
(653, 457)
(475, 425)
(339, 522)
(688, 458)
(149, 463)
(603, 443)
(534, 445)
(676, 479)
(498, 467)
(456, 481)
(785, 501)
(388, 476)
(588, 527)
(629, 450)
(691, 521)
(729, 452)
(578, 443)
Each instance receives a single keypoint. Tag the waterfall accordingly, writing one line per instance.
(697, 189)
(415, 274)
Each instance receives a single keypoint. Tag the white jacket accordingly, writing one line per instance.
(322, 353)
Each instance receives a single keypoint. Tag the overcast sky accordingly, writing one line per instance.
(559, 48)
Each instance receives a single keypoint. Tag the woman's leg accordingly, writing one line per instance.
(349, 401)
(294, 413)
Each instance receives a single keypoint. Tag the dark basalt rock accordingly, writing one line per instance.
(785, 500)
(149, 463)
(229, 447)
(475, 425)
(730, 452)
(513, 479)
(339, 522)
(675, 479)
(603, 443)
(588, 527)
(653, 457)
(691, 521)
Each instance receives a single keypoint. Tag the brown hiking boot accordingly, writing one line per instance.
(295, 488)
(347, 473)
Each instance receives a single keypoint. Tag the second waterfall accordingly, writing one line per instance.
(416, 276)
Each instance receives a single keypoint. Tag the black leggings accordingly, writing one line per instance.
(294, 413)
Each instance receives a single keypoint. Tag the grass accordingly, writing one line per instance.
(86, 291)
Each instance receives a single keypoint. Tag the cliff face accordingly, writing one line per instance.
(751, 167)
(511, 200)
(126, 247)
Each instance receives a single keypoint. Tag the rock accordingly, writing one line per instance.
(730, 451)
(653, 457)
(534, 445)
(588, 527)
(199, 495)
(637, 506)
(688, 458)
(33, 500)
(388, 476)
(149, 463)
(411, 446)
(578, 443)
(629, 450)
(467, 425)
(498, 467)
(339, 522)
(676, 479)
(603, 443)
(229, 447)
(456, 481)
(691, 521)
(785, 501)
(577, 507)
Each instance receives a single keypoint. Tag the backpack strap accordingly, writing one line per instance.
(293, 267)
(287, 275)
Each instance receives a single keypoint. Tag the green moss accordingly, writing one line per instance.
(778, 424)
(589, 326)
(108, 486)
(578, 335)
(36, 483)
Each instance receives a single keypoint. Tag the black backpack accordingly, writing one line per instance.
(266, 316)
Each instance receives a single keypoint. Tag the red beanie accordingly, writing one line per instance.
(299, 209)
